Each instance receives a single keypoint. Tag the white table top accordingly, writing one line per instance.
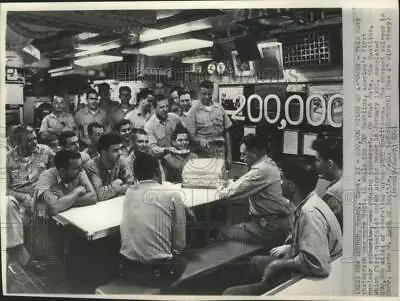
(99, 220)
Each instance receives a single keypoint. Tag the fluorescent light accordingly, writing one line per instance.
(98, 60)
(175, 46)
(60, 69)
(154, 34)
(86, 35)
(61, 73)
(196, 59)
(130, 51)
(90, 49)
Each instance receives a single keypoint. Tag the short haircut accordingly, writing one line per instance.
(56, 97)
(143, 93)
(180, 129)
(21, 130)
(206, 84)
(121, 123)
(124, 88)
(62, 158)
(62, 138)
(94, 125)
(107, 140)
(183, 92)
(329, 148)
(254, 142)
(145, 167)
(138, 132)
(177, 89)
(302, 174)
(157, 99)
(103, 86)
(91, 91)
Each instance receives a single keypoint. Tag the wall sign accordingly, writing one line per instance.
(295, 109)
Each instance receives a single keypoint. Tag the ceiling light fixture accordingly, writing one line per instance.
(98, 60)
(60, 69)
(175, 46)
(154, 34)
(196, 59)
(90, 49)
(86, 35)
(61, 73)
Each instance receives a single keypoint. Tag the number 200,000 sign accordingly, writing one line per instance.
(325, 111)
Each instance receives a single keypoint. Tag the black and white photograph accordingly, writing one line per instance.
(230, 98)
(131, 168)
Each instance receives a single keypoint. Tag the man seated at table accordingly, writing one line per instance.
(124, 129)
(174, 162)
(316, 236)
(269, 211)
(160, 127)
(95, 131)
(66, 185)
(329, 162)
(69, 140)
(152, 230)
(110, 173)
(24, 165)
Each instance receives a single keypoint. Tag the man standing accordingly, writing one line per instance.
(25, 163)
(85, 116)
(66, 185)
(57, 121)
(175, 161)
(143, 112)
(316, 236)
(329, 162)
(152, 230)
(160, 127)
(105, 102)
(269, 211)
(110, 173)
(174, 95)
(208, 124)
(141, 149)
(124, 129)
(185, 102)
(119, 111)
(95, 131)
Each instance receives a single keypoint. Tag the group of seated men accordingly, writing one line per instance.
(285, 212)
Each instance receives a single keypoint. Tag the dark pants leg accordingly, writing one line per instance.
(258, 265)
(160, 273)
(270, 231)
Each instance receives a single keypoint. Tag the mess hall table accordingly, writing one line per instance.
(104, 218)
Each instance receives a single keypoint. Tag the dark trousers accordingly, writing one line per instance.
(256, 270)
(157, 273)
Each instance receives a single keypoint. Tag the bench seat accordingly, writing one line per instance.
(199, 263)
(215, 256)
(122, 287)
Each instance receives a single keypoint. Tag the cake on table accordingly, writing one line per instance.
(203, 173)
